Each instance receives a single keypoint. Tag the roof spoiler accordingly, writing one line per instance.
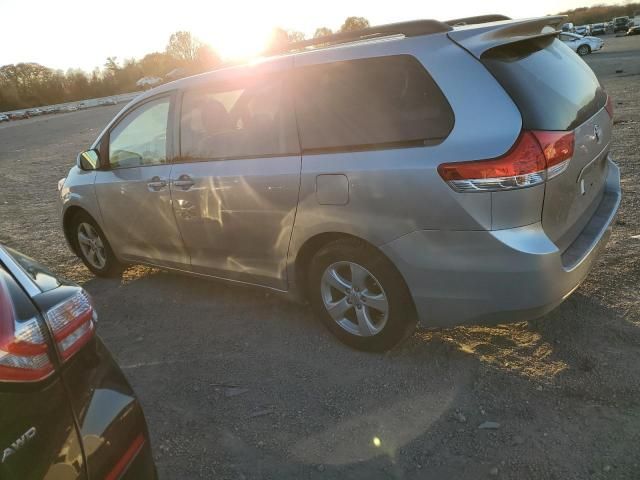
(456, 22)
(408, 29)
(477, 39)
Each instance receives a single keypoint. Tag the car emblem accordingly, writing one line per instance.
(597, 133)
(18, 443)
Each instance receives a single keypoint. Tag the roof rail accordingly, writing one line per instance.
(408, 29)
(476, 20)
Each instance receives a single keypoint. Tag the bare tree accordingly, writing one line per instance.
(295, 36)
(322, 32)
(354, 23)
(183, 46)
(111, 64)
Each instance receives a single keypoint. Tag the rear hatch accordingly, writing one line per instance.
(555, 90)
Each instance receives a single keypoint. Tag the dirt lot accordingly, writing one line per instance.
(237, 383)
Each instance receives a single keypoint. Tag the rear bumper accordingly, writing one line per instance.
(458, 277)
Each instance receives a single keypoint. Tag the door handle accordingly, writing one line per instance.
(184, 182)
(156, 184)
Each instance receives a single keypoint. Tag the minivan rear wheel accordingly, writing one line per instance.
(93, 247)
(360, 296)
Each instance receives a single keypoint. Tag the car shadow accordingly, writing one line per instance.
(239, 383)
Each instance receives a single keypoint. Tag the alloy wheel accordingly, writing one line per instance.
(354, 298)
(91, 245)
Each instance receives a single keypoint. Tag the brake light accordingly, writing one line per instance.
(535, 157)
(23, 348)
(609, 106)
(71, 323)
(557, 148)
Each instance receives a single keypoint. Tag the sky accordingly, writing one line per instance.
(67, 34)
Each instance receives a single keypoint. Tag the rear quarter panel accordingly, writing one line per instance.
(397, 191)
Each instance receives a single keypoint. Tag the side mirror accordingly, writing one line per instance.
(88, 160)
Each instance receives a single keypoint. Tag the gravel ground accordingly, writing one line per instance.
(238, 383)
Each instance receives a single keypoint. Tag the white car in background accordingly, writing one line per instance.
(582, 45)
(4, 118)
(583, 30)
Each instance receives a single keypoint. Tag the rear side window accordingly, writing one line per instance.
(551, 85)
(370, 103)
(239, 119)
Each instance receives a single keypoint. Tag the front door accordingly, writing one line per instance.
(235, 186)
(133, 192)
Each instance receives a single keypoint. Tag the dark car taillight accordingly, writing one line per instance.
(71, 323)
(535, 157)
(24, 353)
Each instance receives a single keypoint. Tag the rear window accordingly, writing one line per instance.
(551, 85)
(370, 103)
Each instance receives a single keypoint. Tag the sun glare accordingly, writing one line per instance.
(239, 43)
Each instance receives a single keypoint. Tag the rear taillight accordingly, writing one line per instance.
(609, 106)
(535, 157)
(71, 323)
(23, 347)
(557, 148)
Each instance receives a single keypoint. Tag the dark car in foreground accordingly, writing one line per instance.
(67, 411)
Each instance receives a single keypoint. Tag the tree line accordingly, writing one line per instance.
(24, 85)
(600, 13)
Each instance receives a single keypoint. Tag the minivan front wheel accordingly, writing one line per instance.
(93, 248)
(360, 296)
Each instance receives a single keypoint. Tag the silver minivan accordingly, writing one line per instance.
(409, 172)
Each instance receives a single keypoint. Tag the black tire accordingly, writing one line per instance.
(584, 50)
(400, 317)
(112, 267)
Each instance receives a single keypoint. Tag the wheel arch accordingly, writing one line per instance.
(313, 244)
(67, 224)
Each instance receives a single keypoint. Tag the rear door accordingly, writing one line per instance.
(38, 437)
(133, 191)
(556, 90)
(235, 186)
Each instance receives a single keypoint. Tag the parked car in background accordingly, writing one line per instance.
(70, 108)
(35, 112)
(18, 115)
(108, 101)
(634, 31)
(620, 24)
(359, 177)
(583, 30)
(568, 27)
(582, 45)
(598, 29)
(4, 118)
(68, 412)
